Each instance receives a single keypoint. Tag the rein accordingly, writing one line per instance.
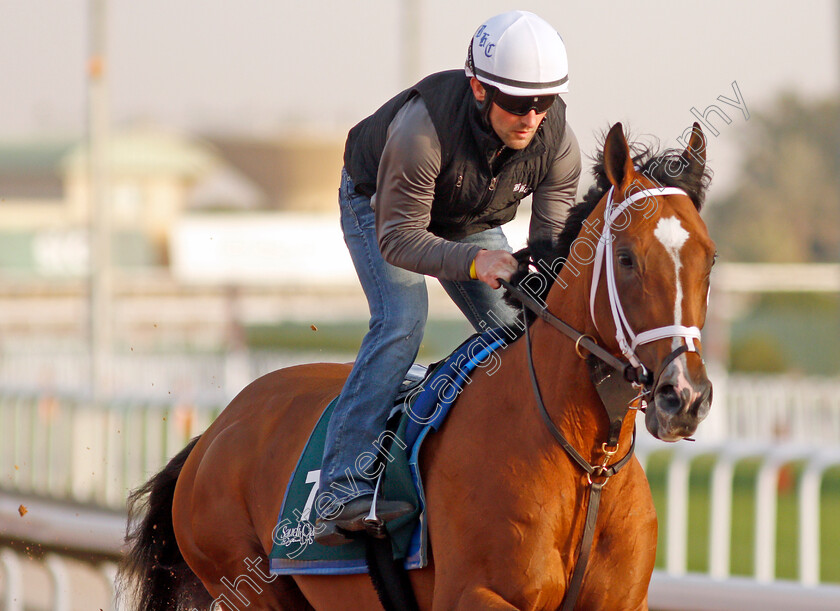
(616, 381)
(611, 390)
(581, 340)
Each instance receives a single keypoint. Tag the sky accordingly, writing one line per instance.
(269, 67)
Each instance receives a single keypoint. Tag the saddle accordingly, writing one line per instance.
(422, 404)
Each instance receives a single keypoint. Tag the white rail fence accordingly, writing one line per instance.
(76, 450)
(65, 446)
(771, 459)
(782, 408)
(799, 409)
(24, 583)
(205, 378)
(74, 569)
(674, 588)
(70, 449)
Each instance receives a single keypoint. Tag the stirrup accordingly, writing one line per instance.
(374, 525)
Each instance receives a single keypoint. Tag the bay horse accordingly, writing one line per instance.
(506, 503)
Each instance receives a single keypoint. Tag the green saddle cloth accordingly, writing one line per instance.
(294, 550)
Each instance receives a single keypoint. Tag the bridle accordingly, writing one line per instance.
(627, 340)
(631, 372)
(619, 382)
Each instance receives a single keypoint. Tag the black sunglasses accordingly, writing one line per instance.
(522, 105)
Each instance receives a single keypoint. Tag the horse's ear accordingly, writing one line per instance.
(618, 164)
(695, 152)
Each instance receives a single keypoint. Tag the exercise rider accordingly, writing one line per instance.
(428, 180)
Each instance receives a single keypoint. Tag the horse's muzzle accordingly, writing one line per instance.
(681, 400)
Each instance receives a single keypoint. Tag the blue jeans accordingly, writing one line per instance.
(399, 306)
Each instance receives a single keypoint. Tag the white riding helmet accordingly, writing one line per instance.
(520, 54)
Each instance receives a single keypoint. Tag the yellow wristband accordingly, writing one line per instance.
(473, 275)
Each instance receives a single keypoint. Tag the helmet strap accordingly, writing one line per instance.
(483, 107)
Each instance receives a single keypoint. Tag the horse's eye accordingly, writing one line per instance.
(625, 260)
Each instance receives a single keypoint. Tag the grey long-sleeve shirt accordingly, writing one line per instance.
(410, 163)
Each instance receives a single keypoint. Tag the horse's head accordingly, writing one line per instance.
(650, 277)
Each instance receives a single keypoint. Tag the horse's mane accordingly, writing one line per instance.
(693, 179)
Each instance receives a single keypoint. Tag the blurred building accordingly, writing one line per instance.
(208, 234)
(158, 177)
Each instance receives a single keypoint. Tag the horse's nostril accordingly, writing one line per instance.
(700, 406)
(668, 399)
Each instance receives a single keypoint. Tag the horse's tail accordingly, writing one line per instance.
(153, 574)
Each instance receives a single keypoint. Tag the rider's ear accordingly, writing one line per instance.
(695, 152)
(478, 89)
(618, 164)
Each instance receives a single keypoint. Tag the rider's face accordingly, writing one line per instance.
(514, 130)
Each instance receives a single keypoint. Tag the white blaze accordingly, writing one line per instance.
(672, 236)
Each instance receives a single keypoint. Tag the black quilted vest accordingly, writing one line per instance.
(481, 181)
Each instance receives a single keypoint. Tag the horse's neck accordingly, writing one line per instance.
(567, 391)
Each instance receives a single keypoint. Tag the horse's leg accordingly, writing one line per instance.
(217, 537)
(339, 592)
(235, 573)
(250, 593)
(478, 598)
(624, 549)
(630, 604)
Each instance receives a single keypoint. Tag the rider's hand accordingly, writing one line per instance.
(493, 264)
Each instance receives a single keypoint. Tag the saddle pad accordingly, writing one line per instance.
(294, 551)
(429, 404)
(424, 408)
